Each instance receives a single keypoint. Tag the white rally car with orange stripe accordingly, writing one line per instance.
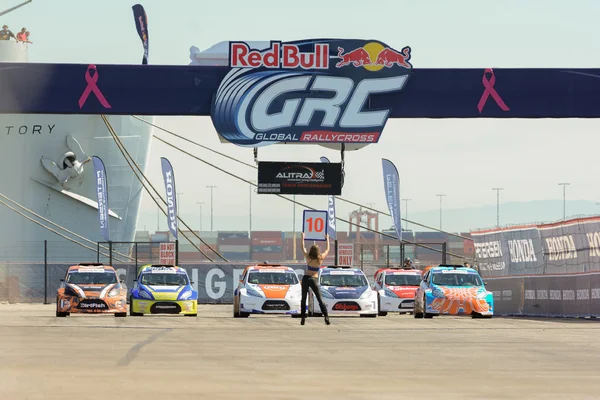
(267, 289)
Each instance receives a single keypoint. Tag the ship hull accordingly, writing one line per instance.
(36, 155)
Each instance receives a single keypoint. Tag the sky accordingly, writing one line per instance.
(463, 159)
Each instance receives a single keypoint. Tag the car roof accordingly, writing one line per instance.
(156, 268)
(333, 268)
(85, 267)
(441, 268)
(402, 270)
(268, 267)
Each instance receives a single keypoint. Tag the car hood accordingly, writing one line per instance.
(91, 291)
(460, 292)
(405, 292)
(345, 292)
(274, 291)
(165, 292)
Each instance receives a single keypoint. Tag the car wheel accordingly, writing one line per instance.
(368, 315)
(417, 312)
(426, 314)
(191, 315)
(133, 314)
(244, 314)
(61, 314)
(379, 312)
(120, 315)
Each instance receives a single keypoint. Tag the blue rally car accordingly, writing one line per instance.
(163, 289)
(453, 290)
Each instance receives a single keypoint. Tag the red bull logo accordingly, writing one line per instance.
(279, 56)
(373, 57)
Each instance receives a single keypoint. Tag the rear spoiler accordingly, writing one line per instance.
(90, 264)
(339, 266)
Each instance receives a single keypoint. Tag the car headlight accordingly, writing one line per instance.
(326, 294)
(69, 291)
(144, 294)
(437, 292)
(482, 295)
(114, 292)
(252, 292)
(388, 293)
(366, 294)
(185, 295)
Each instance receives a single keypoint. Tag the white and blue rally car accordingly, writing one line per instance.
(344, 290)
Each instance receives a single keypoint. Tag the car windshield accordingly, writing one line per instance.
(92, 278)
(272, 278)
(343, 280)
(456, 279)
(164, 279)
(403, 280)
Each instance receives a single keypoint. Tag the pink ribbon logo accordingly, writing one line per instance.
(92, 87)
(490, 91)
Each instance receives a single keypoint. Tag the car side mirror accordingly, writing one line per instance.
(121, 281)
(135, 280)
(62, 279)
(485, 283)
(191, 282)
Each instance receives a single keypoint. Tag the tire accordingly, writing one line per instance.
(191, 315)
(244, 314)
(426, 314)
(131, 313)
(368, 315)
(61, 314)
(120, 315)
(379, 312)
(296, 315)
(415, 313)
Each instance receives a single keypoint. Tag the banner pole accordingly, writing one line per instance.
(176, 251)
(45, 272)
(336, 261)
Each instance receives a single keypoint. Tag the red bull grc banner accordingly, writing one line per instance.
(311, 91)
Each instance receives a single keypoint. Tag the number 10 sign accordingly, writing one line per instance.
(314, 225)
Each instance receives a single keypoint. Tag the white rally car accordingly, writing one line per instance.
(344, 290)
(267, 289)
(396, 288)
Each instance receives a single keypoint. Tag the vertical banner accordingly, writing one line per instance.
(102, 196)
(169, 178)
(141, 24)
(330, 210)
(391, 183)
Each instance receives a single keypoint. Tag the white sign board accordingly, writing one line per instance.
(167, 253)
(314, 225)
(345, 254)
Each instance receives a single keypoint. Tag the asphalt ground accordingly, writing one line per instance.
(215, 356)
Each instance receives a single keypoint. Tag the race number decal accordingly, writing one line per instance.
(314, 225)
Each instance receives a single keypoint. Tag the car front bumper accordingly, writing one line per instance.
(108, 305)
(262, 305)
(143, 306)
(396, 304)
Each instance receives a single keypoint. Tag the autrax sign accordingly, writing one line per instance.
(309, 91)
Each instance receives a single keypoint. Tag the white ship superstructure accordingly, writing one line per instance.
(43, 167)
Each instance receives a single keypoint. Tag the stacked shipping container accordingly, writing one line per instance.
(234, 246)
(267, 246)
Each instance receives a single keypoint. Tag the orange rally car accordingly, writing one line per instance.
(91, 288)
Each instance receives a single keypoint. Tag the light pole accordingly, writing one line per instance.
(498, 205)
(406, 212)
(440, 196)
(211, 187)
(564, 185)
(250, 187)
(200, 203)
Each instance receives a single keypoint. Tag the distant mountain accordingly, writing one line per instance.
(511, 213)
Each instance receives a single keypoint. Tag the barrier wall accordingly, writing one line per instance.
(574, 295)
(570, 246)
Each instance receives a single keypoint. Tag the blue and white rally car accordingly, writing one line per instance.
(345, 290)
(163, 289)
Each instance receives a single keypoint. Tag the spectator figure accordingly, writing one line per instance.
(6, 34)
(27, 37)
(21, 37)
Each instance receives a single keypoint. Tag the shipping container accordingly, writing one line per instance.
(267, 234)
(267, 249)
(432, 236)
(236, 256)
(233, 235)
(270, 257)
(228, 248)
(274, 241)
(159, 237)
(234, 241)
(209, 234)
